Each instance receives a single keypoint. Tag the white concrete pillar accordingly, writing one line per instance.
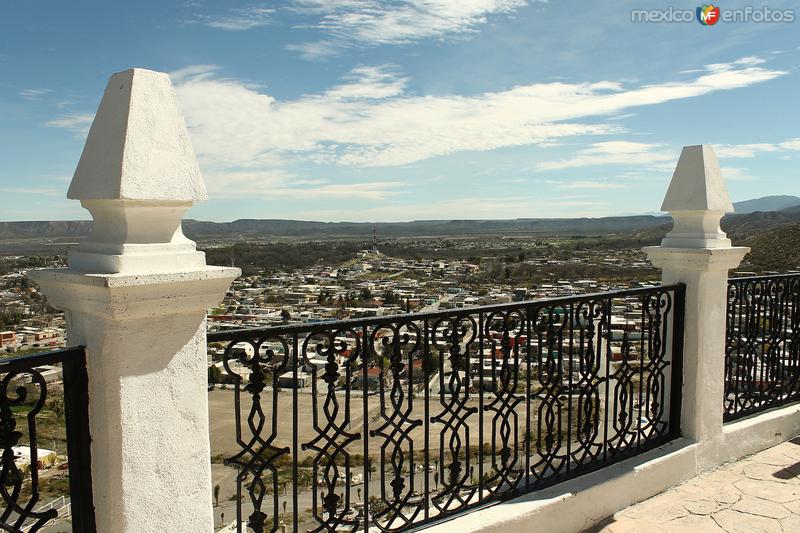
(135, 294)
(696, 252)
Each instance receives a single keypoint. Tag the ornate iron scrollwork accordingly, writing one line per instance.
(18, 513)
(451, 409)
(26, 402)
(258, 456)
(762, 351)
(452, 337)
(340, 349)
(504, 331)
(396, 347)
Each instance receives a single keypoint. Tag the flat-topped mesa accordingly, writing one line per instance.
(137, 176)
(697, 199)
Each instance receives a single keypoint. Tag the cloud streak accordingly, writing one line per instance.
(36, 191)
(281, 184)
(752, 150)
(364, 23)
(77, 123)
(587, 184)
(238, 19)
(253, 144)
(371, 120)
(489, 207)
(33, 94)
(614, 153)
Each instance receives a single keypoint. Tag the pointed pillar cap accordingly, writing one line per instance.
(697, 199)
(697, 184)
(138, 147)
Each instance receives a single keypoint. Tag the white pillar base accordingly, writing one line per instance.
(148, 404)
(705, 273)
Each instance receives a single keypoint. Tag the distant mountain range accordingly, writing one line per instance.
(419, 228)
(738, 226)
(253, 228)
(751, 217)
(767, 203)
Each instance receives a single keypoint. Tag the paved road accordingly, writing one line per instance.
(436, 305)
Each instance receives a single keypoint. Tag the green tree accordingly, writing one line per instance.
(214, 374)
(57, 406)
(430, 363)
(389, 297)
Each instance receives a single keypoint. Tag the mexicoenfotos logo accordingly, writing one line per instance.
(708, 14)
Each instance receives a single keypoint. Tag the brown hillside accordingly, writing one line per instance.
(777, 249)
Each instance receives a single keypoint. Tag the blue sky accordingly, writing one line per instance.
(393, 110)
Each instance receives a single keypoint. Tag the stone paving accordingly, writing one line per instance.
(758, 494)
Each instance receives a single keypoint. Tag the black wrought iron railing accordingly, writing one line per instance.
(44, 403)
(762, 354)
(391, 423)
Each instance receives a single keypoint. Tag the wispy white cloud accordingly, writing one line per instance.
(622, 116)
(237, 19)
(61, 104)
(791, 144)
(743, 150)
(659, 157)
(282, 184)
(192, 71)
(33, 94)
(78, 123)
(248, 140)
(589, 184)
(369, 83)
(371, 120)
(747, 61)
(736, 174)
(754, 149)
(37, 191)
(646, 155)
(462, 208)
(317, 49)
(376, 22)
(375, 190)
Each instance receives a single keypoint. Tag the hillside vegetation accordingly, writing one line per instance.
(777, 249)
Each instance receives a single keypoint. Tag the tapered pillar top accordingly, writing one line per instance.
(137, 176)
(697, 199)
(697, 183)
(138, 147)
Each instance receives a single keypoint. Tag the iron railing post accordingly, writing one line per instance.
(22, 384)
(676, 385)
(76, 413)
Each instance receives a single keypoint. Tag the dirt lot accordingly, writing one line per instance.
(222, 421)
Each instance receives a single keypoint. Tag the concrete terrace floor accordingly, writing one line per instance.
(760, 493)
